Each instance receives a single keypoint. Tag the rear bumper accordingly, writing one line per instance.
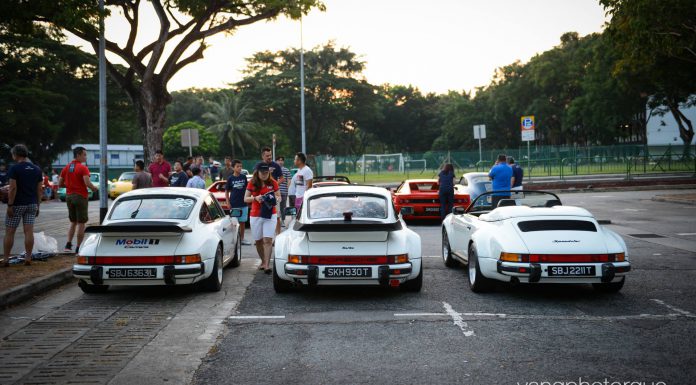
(164, 274)
(383, 275)
(539, 272)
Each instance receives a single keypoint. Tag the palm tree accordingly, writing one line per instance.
(229, 115)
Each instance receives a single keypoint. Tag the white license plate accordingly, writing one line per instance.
(571, 271)
(432, 209)
(348, 272)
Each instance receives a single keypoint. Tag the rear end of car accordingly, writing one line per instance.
(564, 250)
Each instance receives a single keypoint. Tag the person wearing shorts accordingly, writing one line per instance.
(302, 179)
(235, 189)
(263, 193)
(23, 202)
(75, 179)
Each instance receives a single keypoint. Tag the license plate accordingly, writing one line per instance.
(571, 271)
(148, 273)
(432, 209)
(348, 272)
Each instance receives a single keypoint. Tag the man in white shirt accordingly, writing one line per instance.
(302, 181)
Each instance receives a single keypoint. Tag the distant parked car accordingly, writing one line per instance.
(94, 177)
(122, 185)
(325, 181)
(422, 195)
(474, 184)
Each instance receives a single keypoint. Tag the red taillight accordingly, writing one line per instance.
(349, 260)
(145, 260)
(571, 258)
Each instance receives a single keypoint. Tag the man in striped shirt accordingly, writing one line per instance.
(283, 189)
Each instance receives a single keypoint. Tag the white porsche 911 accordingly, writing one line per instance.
(160, 236)
(532, 238)
(347, 235)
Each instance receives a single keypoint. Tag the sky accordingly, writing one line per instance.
(435, 45)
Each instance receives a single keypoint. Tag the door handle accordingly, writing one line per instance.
(468, 227)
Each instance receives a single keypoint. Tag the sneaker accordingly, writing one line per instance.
(68, 247)
(77, 249)
(246, 243)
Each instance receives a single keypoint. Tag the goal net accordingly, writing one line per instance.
(382, 163)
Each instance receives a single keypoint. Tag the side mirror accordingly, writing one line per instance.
(290, 211)
(407, 210)
(458, 210)
(235, 213)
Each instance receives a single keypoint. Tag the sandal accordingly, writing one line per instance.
(267, 271)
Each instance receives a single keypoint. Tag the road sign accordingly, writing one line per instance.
(189, 137)
(480, 131)
(527, 128)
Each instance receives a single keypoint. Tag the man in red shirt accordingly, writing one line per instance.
(75, 179)
(160, 170)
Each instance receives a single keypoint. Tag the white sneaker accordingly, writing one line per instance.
(246, 243)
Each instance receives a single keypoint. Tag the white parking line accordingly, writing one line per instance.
(674, 308)
(257, 317)
(686, 234)
(419, 314)
(458, 320)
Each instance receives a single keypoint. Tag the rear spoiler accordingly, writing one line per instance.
(346, 226)
(139, 227)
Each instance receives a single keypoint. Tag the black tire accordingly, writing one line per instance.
(280, 285)
(610, 287)
(447, 256)
(415, 284)
(214, 282)
(237, 257)
(477, 282)
(92, 289)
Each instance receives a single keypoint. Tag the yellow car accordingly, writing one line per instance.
(122, 185)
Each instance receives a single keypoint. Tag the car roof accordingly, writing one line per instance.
(421, 181)
(474, 174)
(342, 189)
(174, 191)
(508, 212)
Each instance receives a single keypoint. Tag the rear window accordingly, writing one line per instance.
(153, 208)
(126, 176)
(333, 206)
(556, 225)
(423, 186)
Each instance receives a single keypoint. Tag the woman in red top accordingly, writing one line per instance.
(263, 193)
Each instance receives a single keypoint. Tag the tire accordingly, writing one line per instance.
(92, 289)
(415, 284)
(610, 287)
(447, 251)
(237, 258)
(214, 282)
(280, 285)
(477, 282)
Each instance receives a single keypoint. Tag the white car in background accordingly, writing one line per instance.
(160, 236)
(532, 238)
(347, 235)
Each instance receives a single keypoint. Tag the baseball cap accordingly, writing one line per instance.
(263, 167)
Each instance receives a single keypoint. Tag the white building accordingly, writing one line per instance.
(119, 156)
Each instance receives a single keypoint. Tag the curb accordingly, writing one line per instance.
(34, 287)
(674, 200)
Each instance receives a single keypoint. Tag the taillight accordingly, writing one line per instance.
(400, 258)
(295, 258)
(513, 257)
(81, 260)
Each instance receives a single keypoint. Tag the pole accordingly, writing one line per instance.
(190, 146)
(302, 103)
(480, 156)
(103, 206)
(528, 159)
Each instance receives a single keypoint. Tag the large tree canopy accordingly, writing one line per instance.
(183, 27)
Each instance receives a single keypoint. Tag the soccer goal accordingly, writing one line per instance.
(382, 163)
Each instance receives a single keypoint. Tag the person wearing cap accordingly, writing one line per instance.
(276, 172)
(263, 193)
(517, 174)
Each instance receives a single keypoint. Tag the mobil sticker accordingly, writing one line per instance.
(137, 243)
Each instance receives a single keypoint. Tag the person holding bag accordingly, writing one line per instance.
(263, 193)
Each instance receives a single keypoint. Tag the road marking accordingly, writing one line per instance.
(257, 317)
(419, 314)
(432, 256)
(458, 320)
(674, 308)
(686, 233)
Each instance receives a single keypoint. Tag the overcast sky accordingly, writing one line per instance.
(435, 45)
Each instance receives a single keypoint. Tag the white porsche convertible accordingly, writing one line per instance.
(532, 238)
(347, 235)
(160, 236)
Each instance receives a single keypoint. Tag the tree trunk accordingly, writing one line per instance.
(154, 99)
(686, 129)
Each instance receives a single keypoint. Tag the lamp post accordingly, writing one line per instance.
(103, 206)
(302, 106)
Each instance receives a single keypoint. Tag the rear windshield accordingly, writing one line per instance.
(126, 176)
(429, 186)
(559, 225)
(333, 206)
(153, 208)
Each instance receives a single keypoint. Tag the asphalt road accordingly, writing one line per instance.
(247, 334)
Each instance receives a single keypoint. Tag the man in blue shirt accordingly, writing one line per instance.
(501, 175)
(235, 189)
(517, 174)
(22, 203)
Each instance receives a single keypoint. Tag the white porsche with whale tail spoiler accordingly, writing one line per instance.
(160, 236)
(347, 235)
(532, 238)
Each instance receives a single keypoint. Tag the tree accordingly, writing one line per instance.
(183, 27)
(229, 121)
(656, 41)
(208, 143)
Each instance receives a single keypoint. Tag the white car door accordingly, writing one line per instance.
(462, 233)
(220, 224)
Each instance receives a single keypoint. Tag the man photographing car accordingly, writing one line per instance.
(501, 175)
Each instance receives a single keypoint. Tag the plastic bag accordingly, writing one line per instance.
(44, 243)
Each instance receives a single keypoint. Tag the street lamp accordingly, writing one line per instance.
(302, 106)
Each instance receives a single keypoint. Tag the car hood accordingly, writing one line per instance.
(551, 239)
(509, 212)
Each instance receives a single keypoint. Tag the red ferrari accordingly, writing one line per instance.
(422, 195)
(218, 190)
